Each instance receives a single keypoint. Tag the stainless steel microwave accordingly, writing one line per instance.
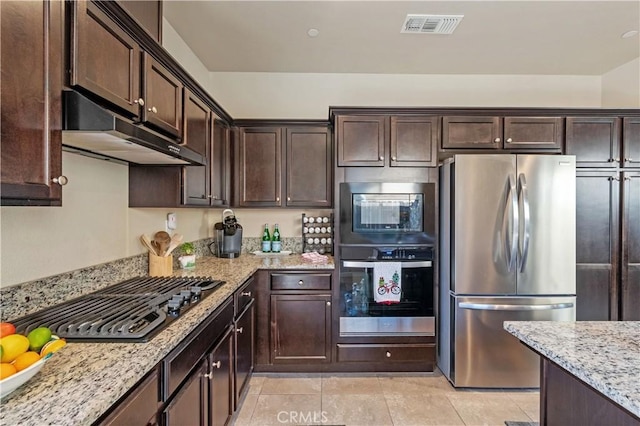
(387, 213)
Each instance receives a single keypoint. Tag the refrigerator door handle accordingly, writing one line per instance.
(524, 195)
(503, 307)
(512, 251)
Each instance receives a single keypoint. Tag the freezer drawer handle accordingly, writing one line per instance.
(492, 307)
(405, 265)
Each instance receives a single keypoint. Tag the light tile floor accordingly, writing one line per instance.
(378, 400)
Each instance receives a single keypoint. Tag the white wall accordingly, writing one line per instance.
(621, 86)
(288, 95)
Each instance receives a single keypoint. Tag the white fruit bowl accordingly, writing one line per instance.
(13, 382)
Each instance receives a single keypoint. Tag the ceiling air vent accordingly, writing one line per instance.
(431, 24)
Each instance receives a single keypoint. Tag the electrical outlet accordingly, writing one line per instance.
(172, 222)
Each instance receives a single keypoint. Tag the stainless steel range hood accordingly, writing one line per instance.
(94, 131)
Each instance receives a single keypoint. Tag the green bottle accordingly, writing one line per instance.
(266, 239)
(276, 245)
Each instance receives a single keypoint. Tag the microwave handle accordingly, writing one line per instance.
(405, 265)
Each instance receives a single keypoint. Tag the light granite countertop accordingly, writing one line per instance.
(81, 381)
(605, 355)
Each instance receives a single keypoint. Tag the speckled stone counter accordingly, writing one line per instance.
(81, 381)
(604, 355)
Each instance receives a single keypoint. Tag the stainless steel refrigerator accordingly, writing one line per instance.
(507, 253)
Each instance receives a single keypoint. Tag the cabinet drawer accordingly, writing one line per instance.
(386, 353)
(181, 360)
(244, 295)
(316, 281)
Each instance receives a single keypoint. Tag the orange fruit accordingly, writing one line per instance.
(12, 346)
(25, 360)
(7, 370)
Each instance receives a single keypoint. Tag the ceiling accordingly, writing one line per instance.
(494, 37)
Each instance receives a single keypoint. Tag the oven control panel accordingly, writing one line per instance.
(397, 253)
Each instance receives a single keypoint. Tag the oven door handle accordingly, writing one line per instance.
(405, 265)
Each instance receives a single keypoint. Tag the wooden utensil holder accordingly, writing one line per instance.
(160, 266)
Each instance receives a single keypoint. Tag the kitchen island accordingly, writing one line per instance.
(83, 380)
(589, 370)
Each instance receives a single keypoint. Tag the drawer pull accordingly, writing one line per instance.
(208, 376)
(388, 354)
(300, 283)
(216, 364)
(239, 330)
(246, 293)
(328, 303)
(509, 140)
(496, 140)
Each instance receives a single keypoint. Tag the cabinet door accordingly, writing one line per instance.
(631, 141)
(31, 90)
(300, 328)
(595, 141)
(414, 141)
(197, 132)
(162, 93)
(148, 13)
(220, 164)
(471, 132)
(104, 59)
(220, 400)
(361, 140)
(260, 167)
(244, 350)
(533, 133)
(140, 407)
(630, 280)
(309, 159)
(188, 406)
(597, 245)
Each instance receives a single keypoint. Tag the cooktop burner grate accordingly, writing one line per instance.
(133, 310)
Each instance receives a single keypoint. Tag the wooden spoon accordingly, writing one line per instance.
(147, 243)
(176, 240)
(162, 240)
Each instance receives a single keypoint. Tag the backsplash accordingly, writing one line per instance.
(26, 298)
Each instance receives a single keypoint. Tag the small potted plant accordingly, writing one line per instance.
(188, 258)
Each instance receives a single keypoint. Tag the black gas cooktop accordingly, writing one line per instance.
(134, 310)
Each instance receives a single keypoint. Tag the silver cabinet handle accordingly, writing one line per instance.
(628, 160)
(60, 180)
(153, 110)
(328, 303)
(614, 178)
(388, 354)
(288, 198)
(246, 293)
(614, 160)
(239, 330)
(405, 265)
(509, 140)
(496, 140)
(277, 198)
(139, 101)
(393, 158)
(208, 376)
(300, 283)
(216, 364)
(492, 307)
(381, 158)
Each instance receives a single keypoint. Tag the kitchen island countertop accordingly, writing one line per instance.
(604, 355)
(80, 382)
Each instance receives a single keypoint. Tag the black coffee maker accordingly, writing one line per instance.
(227, 236)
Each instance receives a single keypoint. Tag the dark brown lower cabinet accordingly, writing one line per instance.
(187, 408)
(244, 350)
(567, 401)
(300, 328)
(140, 406)
(219, 392)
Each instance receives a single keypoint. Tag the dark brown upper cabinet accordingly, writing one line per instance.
(487, 132)
(148, 13)
(105, 60)
(361, 140)
(259, 167)
(31, 89)
(414, 141)
(595, 141)
(220, 165)
(308, 167)
(197, 134)
(631, 141)
(162, 94)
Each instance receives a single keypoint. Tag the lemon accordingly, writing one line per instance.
(51, 347)
(7, 370)
(26, 359)
(38, 337)
(12, 346)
